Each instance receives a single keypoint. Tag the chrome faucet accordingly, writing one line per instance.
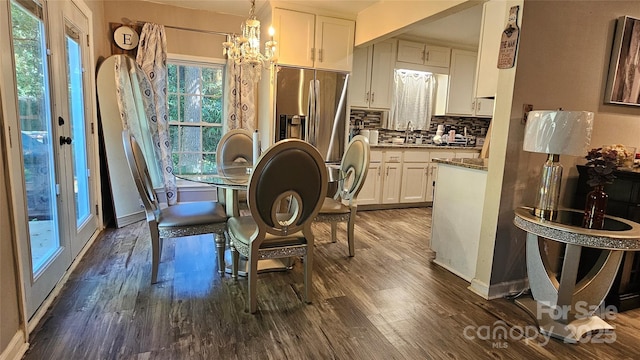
(408, 131)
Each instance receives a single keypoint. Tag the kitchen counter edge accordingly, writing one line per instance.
(477, 164)
(427, 146)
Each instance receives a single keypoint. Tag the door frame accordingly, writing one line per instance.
(14, 177)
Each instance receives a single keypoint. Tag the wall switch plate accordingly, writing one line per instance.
(525, 112)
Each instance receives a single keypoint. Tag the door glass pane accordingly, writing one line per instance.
(36, 133)
(77, 121)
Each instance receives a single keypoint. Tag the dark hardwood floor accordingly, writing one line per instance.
(388, 302)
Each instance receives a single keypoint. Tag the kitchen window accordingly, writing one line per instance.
(195, 104)
(413, 99)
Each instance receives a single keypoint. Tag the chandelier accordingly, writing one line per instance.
(245, 49)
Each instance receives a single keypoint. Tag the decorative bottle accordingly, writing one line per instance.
(594, 208)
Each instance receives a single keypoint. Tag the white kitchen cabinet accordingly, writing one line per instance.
(493, 21)
(460, 97)
(457, 218)
(370, 192)
(371, 81)
(415, 179)
(392, 177)
(404, 175)
(462, 154)
(391, 184)
(415, 176)
(310, 40)
(461, 76)
(423, 54)
(483, 107)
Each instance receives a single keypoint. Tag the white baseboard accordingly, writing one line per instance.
(452, 270)
(480, 288)
(500, 290)
(16, 348)
(130, 219)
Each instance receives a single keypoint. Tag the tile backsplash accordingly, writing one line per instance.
(372, 119)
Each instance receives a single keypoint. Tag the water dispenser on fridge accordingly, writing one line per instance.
(292, 127)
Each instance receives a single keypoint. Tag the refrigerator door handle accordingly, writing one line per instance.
(316, 115)
(309, 133)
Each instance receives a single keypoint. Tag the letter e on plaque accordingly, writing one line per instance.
(509, 41)
(125, 37)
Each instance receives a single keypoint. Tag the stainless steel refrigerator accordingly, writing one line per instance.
(311, 105)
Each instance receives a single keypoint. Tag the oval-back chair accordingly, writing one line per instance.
(286, 190)
(183, 219)
(354, 166)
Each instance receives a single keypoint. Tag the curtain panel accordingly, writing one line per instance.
(413, 100)
(152, 58)
(241, 110)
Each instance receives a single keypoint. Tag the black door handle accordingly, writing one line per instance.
(65, 140)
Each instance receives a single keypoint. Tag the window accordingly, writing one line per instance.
(195, 106)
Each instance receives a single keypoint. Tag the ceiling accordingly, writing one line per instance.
(460, 28)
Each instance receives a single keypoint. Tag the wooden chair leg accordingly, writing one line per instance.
(350, 235)
(220, 247)
(235, 258)
(156, 252)
(308, 273)
(334, 231)
(252, 277)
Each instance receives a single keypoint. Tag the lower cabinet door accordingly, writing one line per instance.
(391, 183)
(415, 177)
(370, 192)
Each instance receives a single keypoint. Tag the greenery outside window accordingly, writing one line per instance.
(195, 106)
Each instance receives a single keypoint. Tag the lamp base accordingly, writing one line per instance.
(548, 197)
(546, 213)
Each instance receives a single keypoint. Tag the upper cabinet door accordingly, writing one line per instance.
(295, 34)
(411, 52)
(437, 56)
(493, 20)
(334, 43)
(359, 93)
(383, 62)
(461, 75)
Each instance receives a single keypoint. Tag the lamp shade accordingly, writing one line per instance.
(558, 132)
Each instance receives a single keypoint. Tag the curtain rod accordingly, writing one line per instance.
(138, 22)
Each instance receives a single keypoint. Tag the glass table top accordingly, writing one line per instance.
(236, 175)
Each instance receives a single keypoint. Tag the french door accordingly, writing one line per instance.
(56, 205)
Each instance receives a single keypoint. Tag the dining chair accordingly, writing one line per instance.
(235, 146)
(285, 192)
(354, 168)
(183, 219)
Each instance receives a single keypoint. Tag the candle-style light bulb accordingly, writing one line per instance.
(272, 31)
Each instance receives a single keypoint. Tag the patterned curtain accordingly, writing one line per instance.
(152, 58)
(135, 103)
(241, 110)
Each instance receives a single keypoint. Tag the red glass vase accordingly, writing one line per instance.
(594, 208)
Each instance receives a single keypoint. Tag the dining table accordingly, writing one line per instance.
(234, 177)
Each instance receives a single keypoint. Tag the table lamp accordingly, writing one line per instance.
(555, 132)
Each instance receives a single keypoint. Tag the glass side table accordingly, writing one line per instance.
(563, 307)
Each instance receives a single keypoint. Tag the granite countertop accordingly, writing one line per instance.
(477, 164)
(425, 146)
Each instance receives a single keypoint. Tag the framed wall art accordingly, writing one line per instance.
(623, 82)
